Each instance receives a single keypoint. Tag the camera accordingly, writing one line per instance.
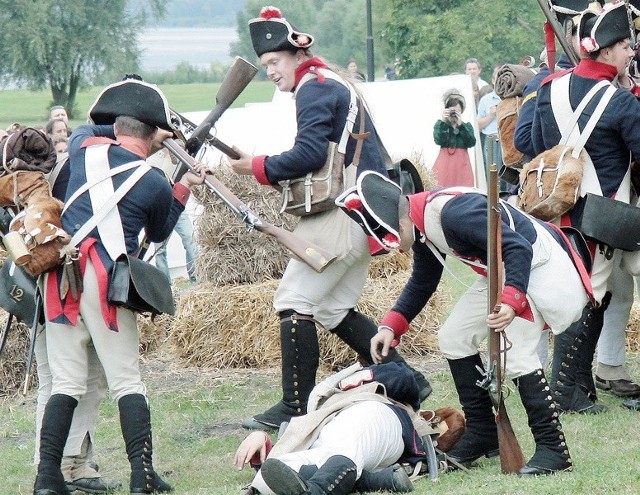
(452, 112)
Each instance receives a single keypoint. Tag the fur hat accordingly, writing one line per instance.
(272, 33)
(134, 98)
(598, 30)
(454, 94)
(567, 10)
(373, 204)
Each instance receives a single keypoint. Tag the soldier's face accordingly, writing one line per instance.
(619, 55)
(281, 68)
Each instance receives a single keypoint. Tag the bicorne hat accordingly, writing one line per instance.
(567, 10)
(598, 30)
(273, 33)
(373, 204)
(133, 98)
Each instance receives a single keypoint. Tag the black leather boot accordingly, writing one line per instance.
(480, 437)
(573, 350)
(300, 358)
(56, 423)
(356, 330)
(337, 476)
(392, 479)
(135, 421)
(551, 453)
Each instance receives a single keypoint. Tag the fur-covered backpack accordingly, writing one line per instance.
(550, 184)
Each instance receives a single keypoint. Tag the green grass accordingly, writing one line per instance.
(31, 108)
(196, 414)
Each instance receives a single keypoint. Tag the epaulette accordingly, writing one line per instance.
(555, 75)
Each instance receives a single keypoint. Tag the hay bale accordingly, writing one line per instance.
(12, 361)
(387, 265)
(153, 333)
(229, 254)
(235, 326)
(633, 329)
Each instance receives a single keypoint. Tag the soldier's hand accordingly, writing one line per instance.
(380, 344)
(159, 136)
(190, 178)
(242, 166)
(502, 318)
(254, 443)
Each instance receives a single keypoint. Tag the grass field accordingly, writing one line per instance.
(31, 108)
(196, 415)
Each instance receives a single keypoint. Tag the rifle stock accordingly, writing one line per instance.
(238, 76)
(314, 256)
(511, 458)
(33, 333)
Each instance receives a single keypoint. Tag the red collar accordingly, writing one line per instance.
(311, 65)
(592, 69)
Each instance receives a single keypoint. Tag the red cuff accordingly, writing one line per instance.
(258, 164)
(181, 193)
(396, 322)
(518, 301)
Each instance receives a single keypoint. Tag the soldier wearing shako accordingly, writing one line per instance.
(604, 40)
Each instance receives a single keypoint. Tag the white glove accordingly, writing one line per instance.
(327, 387)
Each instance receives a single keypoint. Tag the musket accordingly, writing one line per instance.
(314, 256)
(5, 333)
(559, 32)
(33, 334)
(238, 76)
(511, 458)
(209, 138)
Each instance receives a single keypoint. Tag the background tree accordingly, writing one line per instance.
(435, 38)
(65, 44)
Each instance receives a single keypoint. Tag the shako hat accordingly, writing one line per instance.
(273, 33)
(373, 204)
(603, 29)
(133, 98)
(570, 9)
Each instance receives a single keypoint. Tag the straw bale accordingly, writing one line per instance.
(389, 264)
(229, 254)
(633, 329)
(235, 326)
(12, 361)
(153, 333)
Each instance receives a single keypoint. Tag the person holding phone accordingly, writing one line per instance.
(453, 166)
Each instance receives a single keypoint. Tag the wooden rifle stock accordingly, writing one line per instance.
(511, 458)
(238, 76)
(314, 256)
(560, 34)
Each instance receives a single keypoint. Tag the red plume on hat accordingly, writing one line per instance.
(270, 12)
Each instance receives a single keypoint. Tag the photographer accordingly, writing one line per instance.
(453, 167)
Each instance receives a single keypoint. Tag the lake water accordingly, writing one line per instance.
(164, 48)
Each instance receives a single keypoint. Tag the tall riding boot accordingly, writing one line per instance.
(392, 479)
(480, 437)
(300, 358)
(53, 437)
(551, 453)
(573, 352)
(135, 421)
(356, 330)
(337, 476)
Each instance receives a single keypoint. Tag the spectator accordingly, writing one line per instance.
(58, 112)
(352, 67)
(473, 68)
(56, 128)
(60, 143)
(184, 228)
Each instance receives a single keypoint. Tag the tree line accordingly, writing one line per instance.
(65, 46)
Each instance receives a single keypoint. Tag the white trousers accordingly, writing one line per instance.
(85, 414)
(329, 295)
(369, 433)
(555, 294)
(72, 349)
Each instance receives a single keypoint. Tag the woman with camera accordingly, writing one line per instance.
(453, 167)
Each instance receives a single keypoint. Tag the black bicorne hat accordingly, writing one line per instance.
(567, 10)
(272, 33)
(134, 98)
(600, 30)
(373, 204)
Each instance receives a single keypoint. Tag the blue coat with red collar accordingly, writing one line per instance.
(463, 222)
(322, 106)
(615, 135)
